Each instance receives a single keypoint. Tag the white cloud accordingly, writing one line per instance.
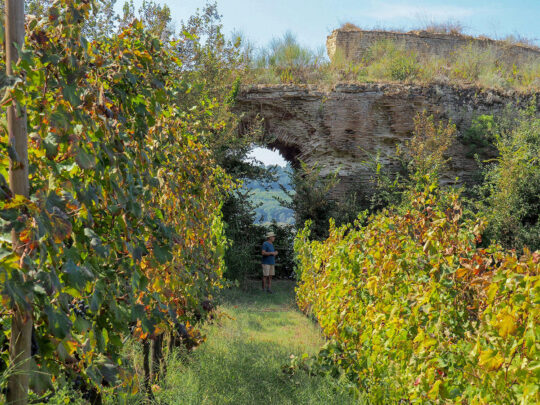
(268, 157)
(392, 11)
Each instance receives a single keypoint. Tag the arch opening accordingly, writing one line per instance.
(265, 195)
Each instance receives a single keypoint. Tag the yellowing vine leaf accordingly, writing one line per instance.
(490, 360)
(506, 323)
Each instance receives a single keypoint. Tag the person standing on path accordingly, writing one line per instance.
(269, 254)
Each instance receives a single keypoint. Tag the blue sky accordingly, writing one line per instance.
(313, 20)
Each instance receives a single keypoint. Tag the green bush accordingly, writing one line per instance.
(311, 198)
(480, 138)
(510, 197)
(481, 132)
(241, 257)
(287, 61)
(404, 67)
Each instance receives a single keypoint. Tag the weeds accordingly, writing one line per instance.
(517, 39)
(350, 27)
(490, 66)
(449, 27)
(286, 61)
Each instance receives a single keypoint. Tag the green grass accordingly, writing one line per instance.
(241, 362)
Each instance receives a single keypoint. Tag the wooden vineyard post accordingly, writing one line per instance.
(146, 368)
(21, 324)
(157, 357)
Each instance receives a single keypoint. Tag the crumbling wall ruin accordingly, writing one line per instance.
(354, 43)
(339, 129)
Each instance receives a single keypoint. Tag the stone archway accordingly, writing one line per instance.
(339, 129)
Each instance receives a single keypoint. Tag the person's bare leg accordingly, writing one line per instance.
(264, 282)
(269, 282)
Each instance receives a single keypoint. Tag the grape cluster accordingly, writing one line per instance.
(34, 346)
(182, 331)
(78, 383)
(88, 393)
(79, 308)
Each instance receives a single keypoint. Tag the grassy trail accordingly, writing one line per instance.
(241, 362)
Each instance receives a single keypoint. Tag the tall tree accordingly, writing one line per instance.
(217, 64)
(21, 324)
(103, 20)
(155, 17)
(38, 8)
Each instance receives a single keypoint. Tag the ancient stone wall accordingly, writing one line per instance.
(354, 43)
(341, 128)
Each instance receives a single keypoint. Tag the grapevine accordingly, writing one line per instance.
(417, 311)
(122, 233)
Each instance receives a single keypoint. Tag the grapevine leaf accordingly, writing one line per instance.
(51, 145)
(77, 276)
(85, 160)
(507, 324)
(162, 253)
(58, 322)
(70, 93)
(81, 325)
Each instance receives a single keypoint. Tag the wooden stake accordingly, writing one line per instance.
(21, 324)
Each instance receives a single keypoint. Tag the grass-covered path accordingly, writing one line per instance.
(241, 361)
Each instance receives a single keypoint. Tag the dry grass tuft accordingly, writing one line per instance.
(349, 27)
(450, 27)
(520, 40)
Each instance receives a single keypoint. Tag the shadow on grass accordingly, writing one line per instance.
(254, 296)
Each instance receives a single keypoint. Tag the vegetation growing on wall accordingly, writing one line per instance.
(390, 61)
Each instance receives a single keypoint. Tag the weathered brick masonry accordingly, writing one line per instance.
(339, 129)
(355, 42)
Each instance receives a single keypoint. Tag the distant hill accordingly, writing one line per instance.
(283, 178)
(264, 194)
